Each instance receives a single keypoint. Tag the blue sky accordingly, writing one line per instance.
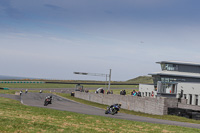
(53, 38)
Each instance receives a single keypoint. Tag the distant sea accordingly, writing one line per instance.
(2, 77)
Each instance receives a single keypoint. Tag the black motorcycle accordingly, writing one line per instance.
(113, 109)
(47, 101)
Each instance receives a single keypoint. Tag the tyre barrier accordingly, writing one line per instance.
(188, 113)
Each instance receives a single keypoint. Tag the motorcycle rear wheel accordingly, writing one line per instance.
(114, 111)
(46, 103)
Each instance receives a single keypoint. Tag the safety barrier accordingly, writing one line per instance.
(15, 82)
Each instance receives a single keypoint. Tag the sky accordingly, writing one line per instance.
(51, 39)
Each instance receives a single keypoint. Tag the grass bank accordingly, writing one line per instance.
(115, 91)
(15, 117)
(13, 91)
(45, 85)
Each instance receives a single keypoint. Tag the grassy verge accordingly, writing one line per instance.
(15, 117)
(7, 91)
(115, 91)
(32, 85)
(13, 91)
(164, 117)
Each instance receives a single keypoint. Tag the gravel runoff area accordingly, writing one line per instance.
(60, 103)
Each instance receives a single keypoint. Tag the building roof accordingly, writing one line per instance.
(180, 62)
(178, 74)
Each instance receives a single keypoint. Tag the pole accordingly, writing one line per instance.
(106, 81)
(109, 80)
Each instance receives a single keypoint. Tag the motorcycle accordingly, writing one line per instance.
(113, 109)
(47, 101)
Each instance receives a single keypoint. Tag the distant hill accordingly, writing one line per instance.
(142, 79)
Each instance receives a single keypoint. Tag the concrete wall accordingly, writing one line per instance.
(157, 106)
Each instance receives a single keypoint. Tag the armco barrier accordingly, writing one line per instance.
(156, 106)
(15, 82)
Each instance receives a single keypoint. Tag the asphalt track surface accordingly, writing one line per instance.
(60, 103)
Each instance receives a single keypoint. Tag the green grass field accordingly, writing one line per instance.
(13, 91)
(115, 91)
(44, 85)
(15, 117)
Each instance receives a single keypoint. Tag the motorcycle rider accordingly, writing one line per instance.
(20, 92)
(26, 91)
(50, 98)
(111, 107)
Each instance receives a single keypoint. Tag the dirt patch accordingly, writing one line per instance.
(89, 118)
(99, 129)
(69, 124)
(97, 121)
(60, 130)
(68, 116)
(140, 127)
(157, 127)
(165, 131)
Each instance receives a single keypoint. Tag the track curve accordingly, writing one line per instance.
(60, 103)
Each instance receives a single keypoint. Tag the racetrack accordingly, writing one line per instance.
(60, 103)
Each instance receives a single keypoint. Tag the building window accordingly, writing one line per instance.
(172, 80)
(168, 79)
(156, 79)
(167, 88)
(169, 67)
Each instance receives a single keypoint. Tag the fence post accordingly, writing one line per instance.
(199, 100)
(193, 99)
(188, 98)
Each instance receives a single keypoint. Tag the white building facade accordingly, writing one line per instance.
(175, 80)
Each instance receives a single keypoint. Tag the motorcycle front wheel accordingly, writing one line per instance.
(106, 112)
(45, 103)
